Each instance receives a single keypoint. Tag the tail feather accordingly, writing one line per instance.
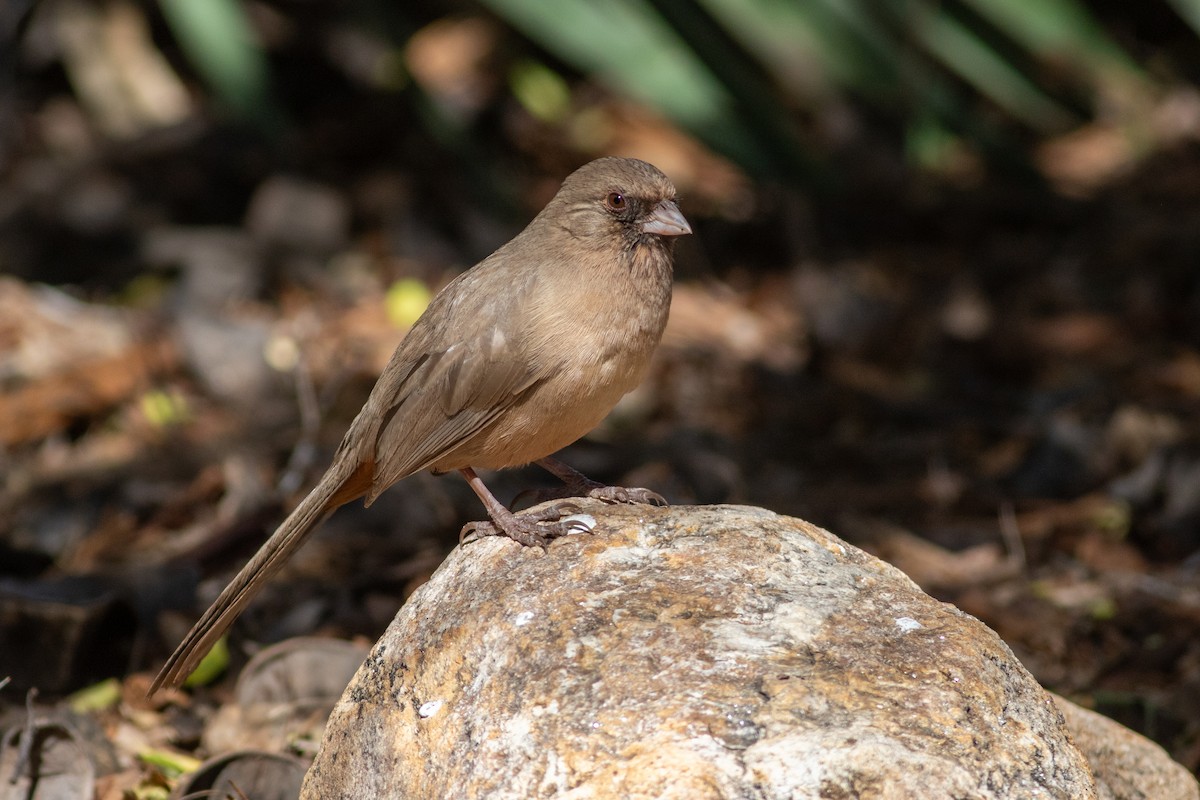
(331, 492)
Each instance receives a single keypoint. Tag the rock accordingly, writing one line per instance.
(298, 214)
(283, 696)
(45, 759)
(226, 353)
(245, 773)
(1127, 766)
(222, 267)
(690, 652)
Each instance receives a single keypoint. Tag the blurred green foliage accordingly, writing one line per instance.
(752, 78)
(219, 40)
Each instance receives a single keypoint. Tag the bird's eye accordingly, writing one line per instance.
(615, 201)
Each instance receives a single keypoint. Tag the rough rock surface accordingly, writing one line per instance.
(690, 652)
(1127, 766)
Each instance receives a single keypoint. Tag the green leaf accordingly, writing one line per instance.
(172, 764)
(405, 301)
(1061, 29)
(164, 409)
(215, 662)
(540, 90)
(963, 51)
(97, 697)
(218, 39)
(1189, 10)
(627, 45)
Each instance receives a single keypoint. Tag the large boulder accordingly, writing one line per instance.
(690, 652)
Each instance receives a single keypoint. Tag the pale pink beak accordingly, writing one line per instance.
(666, 220)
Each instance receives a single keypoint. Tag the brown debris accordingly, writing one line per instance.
(83, 391)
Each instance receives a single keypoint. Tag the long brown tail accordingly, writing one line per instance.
(334, 489)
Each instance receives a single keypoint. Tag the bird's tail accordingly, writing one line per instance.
(334, 489)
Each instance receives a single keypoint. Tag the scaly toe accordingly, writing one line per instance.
(623, 494)
(536, 528)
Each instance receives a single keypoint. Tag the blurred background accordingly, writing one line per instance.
(943, 298)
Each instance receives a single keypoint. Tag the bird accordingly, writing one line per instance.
(513, 360)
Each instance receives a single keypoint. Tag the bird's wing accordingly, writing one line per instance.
(446, 387)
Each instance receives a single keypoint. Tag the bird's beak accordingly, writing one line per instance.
(665, 220)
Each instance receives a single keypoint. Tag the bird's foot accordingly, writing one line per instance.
(533, 528)
(595, 491)
(576, 484)
(626, 494)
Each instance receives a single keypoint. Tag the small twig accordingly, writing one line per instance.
(25, 752)
(305, 450)
(1010, 532)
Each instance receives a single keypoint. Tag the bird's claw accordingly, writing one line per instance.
(595, 491)
(535, 528)
(579, 523)
(626, 494)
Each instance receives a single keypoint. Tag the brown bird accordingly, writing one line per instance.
(516, 358)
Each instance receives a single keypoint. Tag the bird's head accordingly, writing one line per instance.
(623, 200)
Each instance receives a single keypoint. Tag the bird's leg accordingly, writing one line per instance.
(580, 485)
(530, 529)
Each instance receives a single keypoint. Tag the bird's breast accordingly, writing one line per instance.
(591, 344)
